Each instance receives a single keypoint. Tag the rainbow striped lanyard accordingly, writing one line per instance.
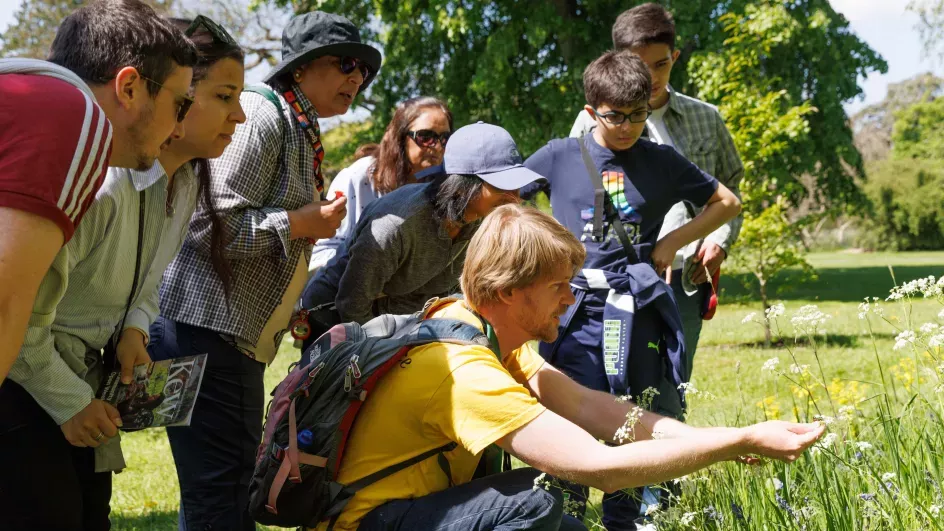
(309, 123)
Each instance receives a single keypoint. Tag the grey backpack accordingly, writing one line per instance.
(316, 405)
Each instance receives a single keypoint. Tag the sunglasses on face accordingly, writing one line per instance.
(427, 138)
(617, 118)
(349, 64)
(212, 28)
(183, 101)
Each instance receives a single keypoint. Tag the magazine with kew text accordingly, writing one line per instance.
(162, 393)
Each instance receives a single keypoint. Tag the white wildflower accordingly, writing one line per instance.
(935, 510)
(798, 369)
(940, 314)
(749, 318)
(823, 443)
(888, 476)
(904, 339)
(688, 518)
(864, 308)
(775, 311)
(936, 340)
(771, 365)
(680, 480)
(652, 509)
(808, 319)
(928, 328)
(863, 446)
(541, 482)
(827, 420)
(690, 391)
(775, 483)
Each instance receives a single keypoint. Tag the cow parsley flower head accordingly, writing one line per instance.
(747, 319)
(775, 311)
(904, 339)
(808, 319)
(771, 365)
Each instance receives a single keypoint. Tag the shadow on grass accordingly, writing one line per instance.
(155, 520)
(831, 341)
(833, 284)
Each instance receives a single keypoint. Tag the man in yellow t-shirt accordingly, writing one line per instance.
(516, 282)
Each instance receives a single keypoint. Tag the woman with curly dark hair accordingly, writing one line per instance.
(414, 140)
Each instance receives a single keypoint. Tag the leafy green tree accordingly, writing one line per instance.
(873, 124)
(909, 206)
(768, 245)
(919, 131)
(519, 64)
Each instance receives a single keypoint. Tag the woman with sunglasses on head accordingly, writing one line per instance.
(131, 232)
(414, 141)
(409, 246)
(268, 190)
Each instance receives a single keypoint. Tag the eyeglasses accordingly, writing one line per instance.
(427, 138)
(212, 28)
(348, 64)
(617, 118)
(183, 106)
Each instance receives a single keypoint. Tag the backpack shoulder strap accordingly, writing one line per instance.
(270, 95)
(603, 205)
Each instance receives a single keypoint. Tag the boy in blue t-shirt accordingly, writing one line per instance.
(644, 180)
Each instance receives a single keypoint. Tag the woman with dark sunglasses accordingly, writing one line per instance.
(414, 141)
(268, 190)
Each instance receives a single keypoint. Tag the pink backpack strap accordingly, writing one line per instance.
(289, 470)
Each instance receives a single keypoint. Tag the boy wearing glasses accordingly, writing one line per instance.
(695, 129)
(623, 334)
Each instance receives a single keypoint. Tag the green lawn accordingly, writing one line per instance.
(727, 365)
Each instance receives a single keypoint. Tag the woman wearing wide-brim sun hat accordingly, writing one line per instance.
(268, 190)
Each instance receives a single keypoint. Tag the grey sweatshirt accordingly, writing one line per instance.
(398, 257)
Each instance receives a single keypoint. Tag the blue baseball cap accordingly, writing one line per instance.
(488, 152)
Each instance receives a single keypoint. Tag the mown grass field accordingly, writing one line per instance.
(842, 487)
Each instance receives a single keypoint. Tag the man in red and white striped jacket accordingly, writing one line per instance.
(62, 123)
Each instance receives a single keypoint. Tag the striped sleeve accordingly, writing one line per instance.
(55, 142)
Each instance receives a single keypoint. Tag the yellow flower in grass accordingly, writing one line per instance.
(906, 372)
(847, 393)
(770, 406)
(800, 392)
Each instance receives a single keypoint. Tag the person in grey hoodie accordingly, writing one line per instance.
(410, 244)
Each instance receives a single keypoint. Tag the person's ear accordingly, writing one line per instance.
(675, 55)
(129, 86)
(507, 296)
(589, 110)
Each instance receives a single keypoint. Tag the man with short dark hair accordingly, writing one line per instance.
(695, 129)
(624, 333)
(112, 100)
(118, 85)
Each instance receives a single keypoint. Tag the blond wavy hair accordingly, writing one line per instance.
(515, 247)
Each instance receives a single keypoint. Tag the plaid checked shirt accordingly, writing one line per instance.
(266, 171)
(700, 135)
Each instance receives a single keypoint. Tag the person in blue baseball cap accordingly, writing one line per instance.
(409, 245)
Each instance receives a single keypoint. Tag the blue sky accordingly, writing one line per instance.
(883, 24)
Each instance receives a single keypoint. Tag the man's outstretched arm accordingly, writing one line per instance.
(552, 444)
(28, 245)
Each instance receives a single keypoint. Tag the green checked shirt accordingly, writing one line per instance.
(699, 134)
